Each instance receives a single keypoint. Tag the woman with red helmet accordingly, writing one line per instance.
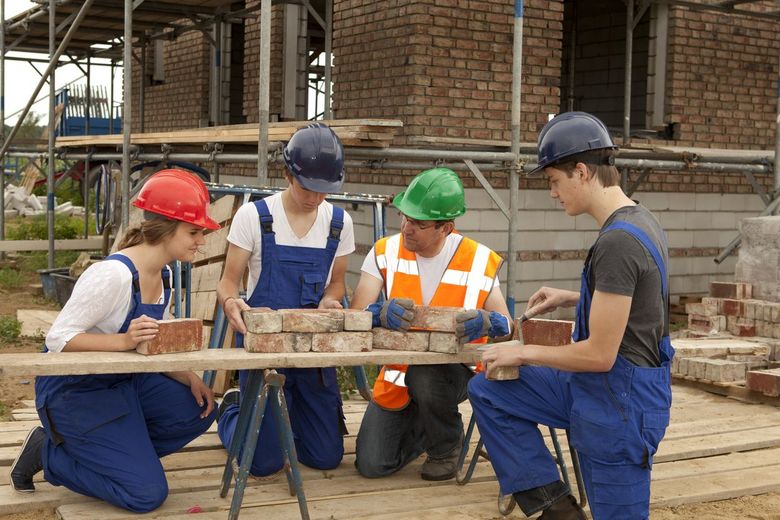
(295, 246)
(103, 435)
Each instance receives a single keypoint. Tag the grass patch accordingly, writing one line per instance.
(10, 279)
(10, 328)
(5, 412)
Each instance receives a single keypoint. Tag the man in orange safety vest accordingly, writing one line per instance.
(415, 408)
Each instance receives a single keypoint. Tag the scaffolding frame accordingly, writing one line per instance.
(203, 14)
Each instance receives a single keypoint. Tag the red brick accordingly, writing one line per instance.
(277, 343)
(552, 333)
(177, 335)
(356, 320)
(312, 320)
(707, 324)
(732, 290)
(341, 341)
(741, 326)
(765, 381)
(394, 340)
(731, 307)
(439, 319)
(262, 320)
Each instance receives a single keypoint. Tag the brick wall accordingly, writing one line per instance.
(722, 78)
(181, 101)
(444, 72)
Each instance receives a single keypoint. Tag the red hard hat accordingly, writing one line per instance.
(177, 195)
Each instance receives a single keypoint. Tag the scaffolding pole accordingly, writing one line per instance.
(263, 102)
(50, 166)
(2, 120)
(127, 112)
(515, 171)
(777, 140)
(328, 51)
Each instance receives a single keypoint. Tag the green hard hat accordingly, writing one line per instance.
(435, 194)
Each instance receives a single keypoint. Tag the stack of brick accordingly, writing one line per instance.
(722, 360)
(305, 330)
(730, 308)
(177, 335)
(433, 329)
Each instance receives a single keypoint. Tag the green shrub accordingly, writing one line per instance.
(10, 278)
(10, 328)
(36, 228)
(346, 379)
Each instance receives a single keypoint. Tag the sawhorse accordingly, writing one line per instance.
(264, 388)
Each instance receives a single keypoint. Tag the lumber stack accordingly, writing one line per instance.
(376, 133)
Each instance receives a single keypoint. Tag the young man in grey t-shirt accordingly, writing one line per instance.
(611, 387)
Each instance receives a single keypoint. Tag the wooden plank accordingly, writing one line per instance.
(215, 246)
(203, 305)
(72, 363)
(75, 244)
(223, 208)
(36, 322)
(206, 277)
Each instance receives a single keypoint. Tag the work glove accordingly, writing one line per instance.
(476, 323)
(395, 314)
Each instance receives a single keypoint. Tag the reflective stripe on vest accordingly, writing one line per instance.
(466, 283)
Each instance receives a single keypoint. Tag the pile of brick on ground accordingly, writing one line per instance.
(733, 340)
(340, 330)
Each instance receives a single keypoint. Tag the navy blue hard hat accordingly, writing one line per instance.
(568, 134)
(315, 157)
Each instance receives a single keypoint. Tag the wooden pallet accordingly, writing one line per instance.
(352, 132)
(715, 449)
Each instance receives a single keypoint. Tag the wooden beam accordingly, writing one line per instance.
(76, 244)
(73, 363)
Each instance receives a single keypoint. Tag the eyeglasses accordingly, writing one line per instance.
(417, 224)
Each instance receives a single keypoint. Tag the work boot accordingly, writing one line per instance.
(28, 462)
(441, 468)
(232, 396)
(565, 508)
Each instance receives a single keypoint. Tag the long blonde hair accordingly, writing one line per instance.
(151, 231)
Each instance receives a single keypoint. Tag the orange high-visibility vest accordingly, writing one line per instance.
(467, 282)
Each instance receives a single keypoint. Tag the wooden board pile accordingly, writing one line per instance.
(376, 133)
(344, 330)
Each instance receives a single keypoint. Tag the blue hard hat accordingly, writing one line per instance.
(568, 134)
(315, 157)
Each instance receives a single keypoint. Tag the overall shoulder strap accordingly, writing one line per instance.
(266, 220)
(645, 240)
(336, 225)
(130, 266)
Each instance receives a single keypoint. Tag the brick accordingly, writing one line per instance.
(702, 309)
(394, 340)
(765, 381)
(438, 319)
(341, 341)
(752, 361)
(312, 320)
(277, 343)
(741, 326)
(724, 370)
(697, 367)
(356, 320)
(732, 290)
(504, 374)
(707, 324)
(546, 332)
(729, 307)
(446, 343)
(176, 335)
(262, 320)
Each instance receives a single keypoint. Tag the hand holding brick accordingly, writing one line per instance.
(177, 335)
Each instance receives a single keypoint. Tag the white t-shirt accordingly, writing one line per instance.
(245, 233)
(99, 304)
(431, 269)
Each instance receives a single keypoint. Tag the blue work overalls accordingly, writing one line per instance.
(107, 432)
(291, 278)
(616, 419)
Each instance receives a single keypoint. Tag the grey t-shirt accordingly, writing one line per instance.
(620, 264)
